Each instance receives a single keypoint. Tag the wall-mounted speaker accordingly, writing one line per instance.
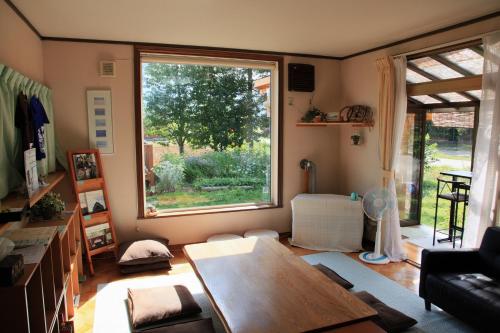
(300, 77)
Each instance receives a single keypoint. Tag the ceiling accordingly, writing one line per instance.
(321, 27)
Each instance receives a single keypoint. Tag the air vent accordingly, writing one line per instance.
(107, 68)
(300, 77)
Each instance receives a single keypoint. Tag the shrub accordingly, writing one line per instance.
(198, 167)
(243, 162)
(231, 182)
(169, 176)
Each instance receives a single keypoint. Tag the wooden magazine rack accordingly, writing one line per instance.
(92, 195)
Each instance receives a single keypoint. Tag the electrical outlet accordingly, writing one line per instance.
(290, 100)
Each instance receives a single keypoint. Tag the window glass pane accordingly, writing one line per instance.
(426, 99)
(475, 93)
(435, 68)
(414, 77)
(408, 173)
(467, 59)
(207, 134)
(453, 97)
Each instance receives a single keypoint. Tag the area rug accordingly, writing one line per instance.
(111, 314)
(390, 293)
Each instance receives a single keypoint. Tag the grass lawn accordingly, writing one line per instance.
(190, 198)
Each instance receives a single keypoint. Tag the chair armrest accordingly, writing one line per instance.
(447, 261)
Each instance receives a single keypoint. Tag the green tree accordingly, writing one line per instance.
(169, 105)
(205, 106)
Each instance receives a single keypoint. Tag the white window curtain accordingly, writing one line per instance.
(391, 119)
(484, 185)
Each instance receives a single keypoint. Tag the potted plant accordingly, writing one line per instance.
(50, 206)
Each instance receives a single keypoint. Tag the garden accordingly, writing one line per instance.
(233, 176)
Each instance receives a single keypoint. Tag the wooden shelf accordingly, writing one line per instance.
(15, 200)
(336, 123)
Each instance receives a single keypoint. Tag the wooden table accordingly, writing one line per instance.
(258, 285)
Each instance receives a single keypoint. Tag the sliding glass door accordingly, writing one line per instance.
(434, 140)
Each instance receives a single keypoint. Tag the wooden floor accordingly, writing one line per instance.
(107, 271)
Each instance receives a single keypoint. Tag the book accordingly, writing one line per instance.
(31, 171)
(83, 203)
(99, 235)
(95, 201)
(85, 166)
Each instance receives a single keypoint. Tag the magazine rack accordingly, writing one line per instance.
(91, 193)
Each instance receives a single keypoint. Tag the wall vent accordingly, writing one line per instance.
(107, 68)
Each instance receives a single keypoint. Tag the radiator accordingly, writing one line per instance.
(327, 222)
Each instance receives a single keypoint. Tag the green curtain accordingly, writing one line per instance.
(11, 154)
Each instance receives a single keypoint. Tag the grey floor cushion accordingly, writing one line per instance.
(160, 304)
(141, 253)
(334, 276)
(388, 318)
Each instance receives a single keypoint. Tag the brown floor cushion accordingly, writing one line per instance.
(142, 252)
(198, 325)
(334, 276)
(153, 305)
(388, 318)
(130, 269)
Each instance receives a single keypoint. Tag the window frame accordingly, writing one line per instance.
(139, 137)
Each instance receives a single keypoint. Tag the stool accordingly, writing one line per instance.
(222, 237)
(262, 233)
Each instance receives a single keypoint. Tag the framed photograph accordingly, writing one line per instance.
(85, 166)
(100, 120)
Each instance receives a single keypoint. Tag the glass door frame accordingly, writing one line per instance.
(421, 112)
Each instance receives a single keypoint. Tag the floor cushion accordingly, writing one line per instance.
(196, 325)
(334, 276)
(388, 318)
(223, 237)
(143, 252)
(130, 269)
(262, 233)
(159, 304)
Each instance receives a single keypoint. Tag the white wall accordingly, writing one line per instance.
(20, 47)
(71, 68)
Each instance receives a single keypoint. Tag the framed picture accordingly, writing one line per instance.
(85, 166)
(100, 120)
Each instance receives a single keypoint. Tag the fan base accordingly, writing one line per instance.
(372, 258)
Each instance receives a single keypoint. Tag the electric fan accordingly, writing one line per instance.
(375, 203)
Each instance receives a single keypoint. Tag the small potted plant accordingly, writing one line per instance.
(50, 206)
(355, 139)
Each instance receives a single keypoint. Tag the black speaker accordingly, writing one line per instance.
(300, 77)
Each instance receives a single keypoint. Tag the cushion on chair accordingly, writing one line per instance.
(142, 252)
(129, 269)
(388, 318)
(152, 305)
(334, 276)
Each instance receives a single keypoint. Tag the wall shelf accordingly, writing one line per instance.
(337, 123)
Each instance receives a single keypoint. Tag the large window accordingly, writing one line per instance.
(209, 132)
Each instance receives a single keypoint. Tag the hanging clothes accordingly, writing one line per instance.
(39, 118)
(24, 121)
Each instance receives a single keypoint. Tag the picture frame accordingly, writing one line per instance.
(100, 120)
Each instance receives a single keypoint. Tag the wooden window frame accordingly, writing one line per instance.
(202, 52)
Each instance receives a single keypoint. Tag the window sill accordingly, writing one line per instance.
(217, 210)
